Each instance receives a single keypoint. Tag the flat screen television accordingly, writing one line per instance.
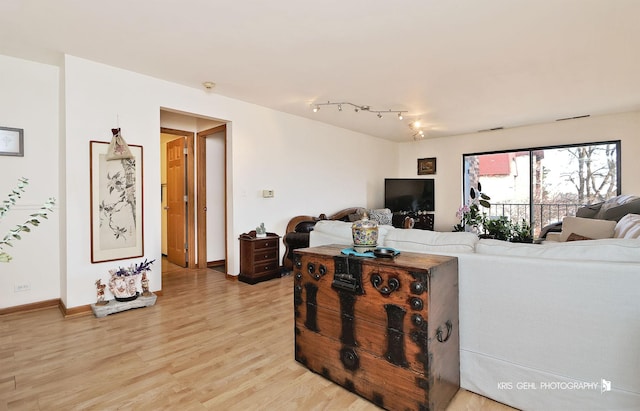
(409, 194)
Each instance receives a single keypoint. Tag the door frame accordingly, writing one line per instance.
(191, 218)
(201, 161)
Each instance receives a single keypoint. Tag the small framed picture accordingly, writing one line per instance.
(11, 142)
(426, 166)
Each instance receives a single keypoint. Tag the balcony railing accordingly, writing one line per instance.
(544, 213)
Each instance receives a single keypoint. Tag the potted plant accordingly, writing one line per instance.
(498, 228)
(521, 232)
(471, 219)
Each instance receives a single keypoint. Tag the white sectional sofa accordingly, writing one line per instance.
(551, 326)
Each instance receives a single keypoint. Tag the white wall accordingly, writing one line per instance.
(215, 196)
(30, 94)
(313, 167)
(310, 165)
(449, 151)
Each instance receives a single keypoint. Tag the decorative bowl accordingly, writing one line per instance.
(383, 252)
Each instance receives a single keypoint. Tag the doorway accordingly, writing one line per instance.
(211, 196)
(204, 219)
(178, 195)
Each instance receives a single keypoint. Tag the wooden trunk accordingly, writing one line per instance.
(384, 328)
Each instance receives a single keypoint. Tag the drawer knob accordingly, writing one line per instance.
(417, 287)
(417, 320)
(416, 303)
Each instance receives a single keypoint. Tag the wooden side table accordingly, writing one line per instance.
(259, 257)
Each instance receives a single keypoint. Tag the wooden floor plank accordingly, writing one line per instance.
(208, 344)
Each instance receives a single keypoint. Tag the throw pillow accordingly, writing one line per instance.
(628, 227)
(587, 227)
(354, 217)
(577, 237)
(381, 215)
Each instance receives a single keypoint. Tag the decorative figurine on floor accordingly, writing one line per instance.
(145, 285)
(100, 291)
(261, 231)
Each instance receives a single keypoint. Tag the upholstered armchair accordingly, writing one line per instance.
(299, 227)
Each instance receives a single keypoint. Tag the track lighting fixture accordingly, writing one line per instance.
(418, 131)
(358, 108)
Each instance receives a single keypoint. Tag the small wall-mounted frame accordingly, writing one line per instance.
(11, 142)
(426, 166)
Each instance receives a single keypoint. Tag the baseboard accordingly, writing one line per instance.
(215, 263)
(75, 311)
(40, 305)
(43, 305)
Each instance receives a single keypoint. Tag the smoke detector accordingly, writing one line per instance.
(209, 85)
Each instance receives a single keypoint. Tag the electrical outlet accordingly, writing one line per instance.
(267, 193)
(19, 287)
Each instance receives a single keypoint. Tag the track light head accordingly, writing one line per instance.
(415, 126)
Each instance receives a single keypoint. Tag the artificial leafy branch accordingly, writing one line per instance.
(33, 220)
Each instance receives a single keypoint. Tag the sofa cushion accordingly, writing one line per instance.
(613, 209)
(430, 241)
(618, 207)
(587, 227)
(381, 215)
(577, 237)
(628, 227)
(608, 249)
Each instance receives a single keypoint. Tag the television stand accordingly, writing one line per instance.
(421, 220)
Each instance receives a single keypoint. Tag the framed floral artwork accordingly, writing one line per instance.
(117, 220)
(426, 166)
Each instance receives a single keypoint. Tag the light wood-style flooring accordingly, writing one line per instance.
(208, 344)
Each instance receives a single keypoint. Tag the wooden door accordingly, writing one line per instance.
(176, 204)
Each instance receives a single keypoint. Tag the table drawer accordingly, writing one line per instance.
(265, 243)
(264, 255)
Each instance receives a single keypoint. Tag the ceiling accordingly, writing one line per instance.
(459, 66)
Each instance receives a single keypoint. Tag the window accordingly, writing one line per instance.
(544, 184)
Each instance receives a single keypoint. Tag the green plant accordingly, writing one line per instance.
(33, 220)
(470, 215)
(498, 228)
(521, 232)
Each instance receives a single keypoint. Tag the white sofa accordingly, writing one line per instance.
(542, 326)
